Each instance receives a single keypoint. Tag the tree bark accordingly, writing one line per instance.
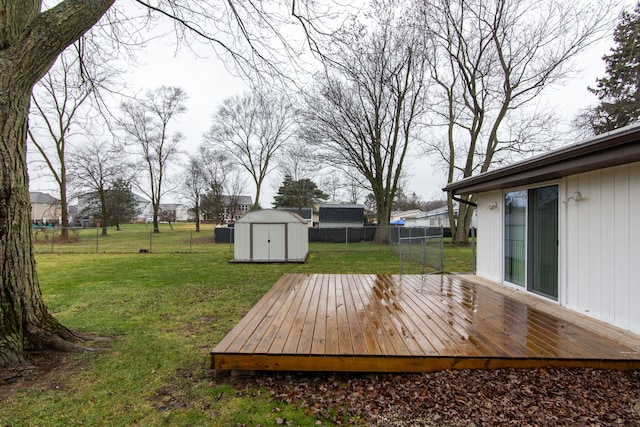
(30, 41)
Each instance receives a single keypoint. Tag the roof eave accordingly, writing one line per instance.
(606, 150)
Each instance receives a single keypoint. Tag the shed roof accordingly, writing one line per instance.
(271, 216)
(618, 147)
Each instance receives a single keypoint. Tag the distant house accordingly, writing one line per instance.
(173, 212)
(340, 216)
(44, 207)
(234, 207)
(306, 214)
(144, 208)
(435, 218)
(399, 217)
(563, 225)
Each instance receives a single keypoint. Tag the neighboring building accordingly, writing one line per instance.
(271, 235)
(145, 209)
(397, 216)
(341, 216)
(563, 225)
(44, 208)
(175, 212)
(234, 207)
(436, 218)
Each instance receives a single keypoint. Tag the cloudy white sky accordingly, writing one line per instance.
(208, 82)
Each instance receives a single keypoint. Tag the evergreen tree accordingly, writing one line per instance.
(297, 194)
(121, 202)
(618, 91)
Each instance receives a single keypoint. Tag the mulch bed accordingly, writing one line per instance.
(506, 397)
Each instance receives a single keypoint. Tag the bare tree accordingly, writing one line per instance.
(146, 126)
(298, 161)
(252, 128)
(224, 183)
(31, 38)
(95, 167)
(362, 116)
(492, 60)
(61, 111)
(194, 185)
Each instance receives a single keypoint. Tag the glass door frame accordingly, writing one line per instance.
(524, 273)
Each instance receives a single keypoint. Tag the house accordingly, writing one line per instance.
(563, 226)
(145, 209)
(234, 207)
(340, 216)
(173, 212)
(438, 217)
(44, 208)
(399, 217)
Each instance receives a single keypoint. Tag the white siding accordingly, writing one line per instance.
(489, 263)
(599, 243)
(601, 256)
(633, 231)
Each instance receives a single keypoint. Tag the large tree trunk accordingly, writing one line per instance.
(30, 41)
(25, 322)
(461, 224)
(383, 214)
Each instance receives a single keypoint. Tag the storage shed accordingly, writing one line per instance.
(271, 235)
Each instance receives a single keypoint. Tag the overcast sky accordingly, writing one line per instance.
(208, 82)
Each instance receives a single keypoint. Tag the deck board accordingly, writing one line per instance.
(415, 323)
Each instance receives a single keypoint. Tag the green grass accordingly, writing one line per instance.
(165, 311)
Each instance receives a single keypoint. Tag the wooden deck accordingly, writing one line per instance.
(414, 323)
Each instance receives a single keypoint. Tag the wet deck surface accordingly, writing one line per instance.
(414, 323)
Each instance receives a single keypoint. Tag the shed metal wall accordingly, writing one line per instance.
(271, 236)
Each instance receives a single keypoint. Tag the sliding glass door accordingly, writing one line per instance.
(531, 239)
(515, 237)
(542, 274)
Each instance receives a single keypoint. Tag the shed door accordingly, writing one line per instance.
(268, 242)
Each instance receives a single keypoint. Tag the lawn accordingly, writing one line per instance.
(164, 312)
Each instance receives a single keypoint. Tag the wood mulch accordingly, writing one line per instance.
(504, 397)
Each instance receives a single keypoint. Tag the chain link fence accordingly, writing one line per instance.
(411, 244)
(132, 238)
(422, 245)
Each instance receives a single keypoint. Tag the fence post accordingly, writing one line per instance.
(346, 237)
(400, 252)
(424, 254)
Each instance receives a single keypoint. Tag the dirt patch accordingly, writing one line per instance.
(47, 370)
(570, 397)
